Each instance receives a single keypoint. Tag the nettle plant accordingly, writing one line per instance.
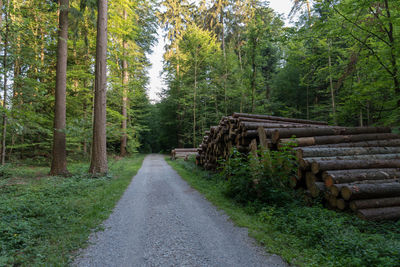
(263, 175)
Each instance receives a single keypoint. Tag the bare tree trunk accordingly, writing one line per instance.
(331, 84)
(3, 137)
(98, 164)
(59, 161)
(225, 63)
(1, 15)
(125, 80)
(194, 102)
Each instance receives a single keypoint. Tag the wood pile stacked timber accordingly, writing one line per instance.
(183, 153)
(355, 168)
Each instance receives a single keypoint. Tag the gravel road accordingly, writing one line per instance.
(162, 221)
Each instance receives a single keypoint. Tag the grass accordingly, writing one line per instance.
(45, 220)
(303, 235)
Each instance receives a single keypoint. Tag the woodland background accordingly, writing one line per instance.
(339, 62)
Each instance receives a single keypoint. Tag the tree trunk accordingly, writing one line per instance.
(331, 84)
(308, 152)
(1, 15)
(4, 133)
(367, 191)
(59, 155)
(98, 164)
(353, 164)
(194, 102)
(125, 80)
(326, 131)
(350, 176)
(335, 139)
(371, 143)
(275, 118)
(374, 203)
(378, 214)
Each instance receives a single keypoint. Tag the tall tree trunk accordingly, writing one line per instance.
(253, 78)
(194, 101)
(331, 84)
(1, 15)
(98, 164)
(3, 137)
(59, 161)
(125, 80)
(225, 63)
(393, 58)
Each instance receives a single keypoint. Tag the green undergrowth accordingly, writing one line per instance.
(45, 220)
(304, 235)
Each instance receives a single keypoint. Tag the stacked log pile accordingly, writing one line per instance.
(355, 168)
(183, 153)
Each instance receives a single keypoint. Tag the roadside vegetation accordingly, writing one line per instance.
(44, 220)
(303, 232)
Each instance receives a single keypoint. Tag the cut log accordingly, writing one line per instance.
(310, 179)
(333, 139)
(326, 131)
(307, 152)
(372, 143)
(332, 201)
(365, 191)
(378, 214)
(267, 125)
(326, 165)
(341, 203)
(267, 117)
(317, 189)
(336, 188)
(374, 203)
(355, 157)
(349, 176)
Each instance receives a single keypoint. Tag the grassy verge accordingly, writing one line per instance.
(44, 220)
(303, 235)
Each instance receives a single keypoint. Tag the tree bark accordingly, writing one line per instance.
(125, 80)
(371, 143)
(335, 139)
(353, 164)
(349, 176)
(59, 155)
(326, 131)
(98, 164)
(331, 84)
(378, 214)
(374, 203)
(275, 118)
(4, 133)
(368, 191)
(308, 152)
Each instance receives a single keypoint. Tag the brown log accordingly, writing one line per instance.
(336, 188)
(331, 199)
(349, 176)
(374, 203)
(365, 191)
(341, 204)
(373, 143)
(309, 161)
(326, 131)
(333, 139)
(307, 152)
(378, 214)
(267, 125)
(311, 179)
(326, 165)
(317, 189)
(267, 117)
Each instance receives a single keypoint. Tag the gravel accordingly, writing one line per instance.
(161, 221)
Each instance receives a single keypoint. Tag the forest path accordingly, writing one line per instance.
(161, 221)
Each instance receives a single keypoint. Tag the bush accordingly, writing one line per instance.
(263, 176)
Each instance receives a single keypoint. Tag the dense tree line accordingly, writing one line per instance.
(48, 70)
(338, 61)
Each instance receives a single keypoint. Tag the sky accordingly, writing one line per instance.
(156, 83)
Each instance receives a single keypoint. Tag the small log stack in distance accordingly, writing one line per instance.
(183, 153)
(355, 168)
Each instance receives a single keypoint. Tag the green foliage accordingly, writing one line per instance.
(44, 220)
(302, 235)
(262, 176)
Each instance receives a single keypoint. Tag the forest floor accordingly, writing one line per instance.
(303, 234)
(44, 220)
(162, 221)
